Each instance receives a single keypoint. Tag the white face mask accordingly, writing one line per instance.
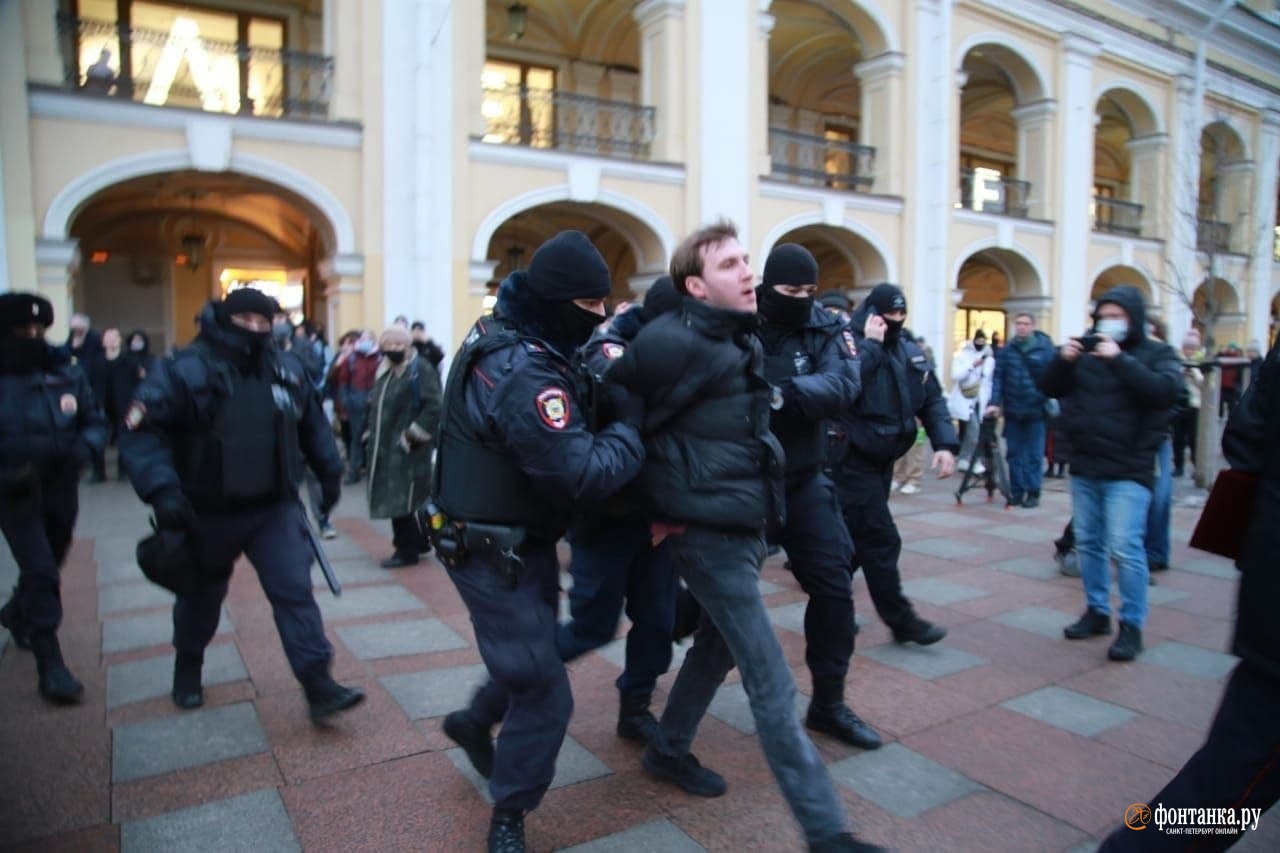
(1115, 328)
(137, 345)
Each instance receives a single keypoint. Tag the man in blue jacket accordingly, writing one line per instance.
(1014, 394)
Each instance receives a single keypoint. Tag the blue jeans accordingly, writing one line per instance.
(722, 570)
(1110, 523)
(1157, 539)
(1025, 441)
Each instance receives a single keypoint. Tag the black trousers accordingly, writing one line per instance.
(863, 487)
(407, 538)
(821, 555)
(1185, 426)
(38, 530)
(1238, 767)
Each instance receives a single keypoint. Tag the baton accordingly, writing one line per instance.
(321, 557)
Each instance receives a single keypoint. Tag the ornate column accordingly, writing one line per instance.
(344, 294)
(728, 135)
(1261, 244)
(1035, 125)
(959, 81)
(1146, 181)
(1183, 268)
(662, 74)
(881, 85)
(57, 265)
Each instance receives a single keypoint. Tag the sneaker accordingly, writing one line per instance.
(1068, 563)
(979, 468)
(1128, 643)
(326, 697)
(894, 486)
(327, 531)
(1157, 567)
(920, 632)
(474, 739)
(1091, 624)
(1032, 500)
(845, 842)
(187, 692)
(685, 771)
(506, 831)
(909, 489)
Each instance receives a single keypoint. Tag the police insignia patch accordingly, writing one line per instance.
(612, 350)
(553, 407)
(68, 404)
(849, 344)
(134, 416)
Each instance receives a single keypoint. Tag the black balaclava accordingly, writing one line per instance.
(565, 268)
(793, 264)
(19, 353)
(246, 300)
(979, 340)
(885, 298)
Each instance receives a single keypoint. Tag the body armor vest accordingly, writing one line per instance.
(803, 440)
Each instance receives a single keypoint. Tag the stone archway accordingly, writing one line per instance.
(1129, 144)
(847, 261)
(992, 284)
(1215, 309)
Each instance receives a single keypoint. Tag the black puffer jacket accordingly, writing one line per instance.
(1118, 410)
(48, 416)
(898, 385)
(1252, 444)
(711, 459)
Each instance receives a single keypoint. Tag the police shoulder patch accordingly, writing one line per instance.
(135, 415)
(612, 350)
(68, 404)
(849, 344)
(553, 407)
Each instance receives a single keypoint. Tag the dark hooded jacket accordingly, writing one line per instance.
(712, 460)
(898, 386)
(1117, 410)
(48, 417)
(1018, 369)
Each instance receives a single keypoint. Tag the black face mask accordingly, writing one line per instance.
(893, 328)
(578, 323)
(790, 312)
(23, 355)
(395, 356)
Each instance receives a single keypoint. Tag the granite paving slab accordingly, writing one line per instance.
(139, 632)
(901, 781)
(943, 547)
(1214, 567)
(941, 592)
(1021, 533)
(186, 740)
(349, 571)
(939, 518)
(1193, 660)
(769, 587)
(928, 662)
(574, 764)
(1157, 595)
(1038, 568)
(253, 821)
(365, 601)
(1070, 710)
(435, 692)
(732, 706)
(615, 651)
(656, 836)
(1037, 620)
(122, 597)
(152, 677)
(390, 639)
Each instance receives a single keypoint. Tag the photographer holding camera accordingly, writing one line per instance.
(1120, 386)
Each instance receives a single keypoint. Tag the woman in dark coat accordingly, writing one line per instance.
(404, 412)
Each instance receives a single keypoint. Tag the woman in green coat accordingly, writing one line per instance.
(404, 412)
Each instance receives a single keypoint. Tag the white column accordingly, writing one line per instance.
(1146, 181)
(935, 123)
(431, 286)
(1182, 266)
(57, 262)
(727, 29)
(1035, 123)
(663, 74)
(1074, 181)
(880, 84)
(344, 38)
(1261, 263)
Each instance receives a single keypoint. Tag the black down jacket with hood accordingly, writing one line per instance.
(1117, 410)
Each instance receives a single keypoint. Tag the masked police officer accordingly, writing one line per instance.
(898, 386)
(810, 361)
(515, 458)
(49, 427)
(213, 441)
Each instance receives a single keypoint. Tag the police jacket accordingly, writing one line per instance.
(191, 427)
(814, 367)
(515, 447)
(1252, 444)
(1118, 409)
(1013, 387)
(712, 459)
(48, 416)
(898, 386)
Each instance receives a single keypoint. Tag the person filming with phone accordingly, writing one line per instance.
(1120, 387)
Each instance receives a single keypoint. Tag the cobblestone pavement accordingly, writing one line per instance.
(1003, 737)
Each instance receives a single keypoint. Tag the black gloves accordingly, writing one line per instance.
(173, 511)
(330, 491)
(630, 410)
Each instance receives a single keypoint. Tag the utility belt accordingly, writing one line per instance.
(455, 541)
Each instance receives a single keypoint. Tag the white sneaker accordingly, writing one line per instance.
(979, 468)
(909, 489)
(894, 486)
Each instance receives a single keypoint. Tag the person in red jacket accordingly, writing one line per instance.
(353, 374)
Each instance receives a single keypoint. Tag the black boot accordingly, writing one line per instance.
(918, 631)
(326, 697)
(829, 714)
(11, 619)
(1128, 643)
(685, 771)
(845, 841)
(1032, 500)
(635, 721)
(56, 682)
(506, 831)
(474, 738)
(187, 692)
(1091, 624)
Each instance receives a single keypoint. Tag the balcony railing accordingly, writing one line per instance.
(188, 70)
(1115, 216)
(818, 161)
(1212, 236)
(987, 191)
(549, 118)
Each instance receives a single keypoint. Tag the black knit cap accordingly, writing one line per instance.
(569, 266)
(22, 309)
(887, 297)
(836, 299)
(790, 263)
(661, 297)
(247, 300)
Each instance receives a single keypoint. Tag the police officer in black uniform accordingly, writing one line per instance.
(515, 459)
(810, 359)
(50, 426)
(898, 385)
(213, 441)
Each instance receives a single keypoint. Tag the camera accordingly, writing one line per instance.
(1089, 342)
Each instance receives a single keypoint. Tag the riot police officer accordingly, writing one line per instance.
(810, 359)
(898, 386)
(515, 458)
(50, 426)
(213, 441)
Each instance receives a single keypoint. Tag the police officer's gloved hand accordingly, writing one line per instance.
(630, 409)
(173, 511)
(330, 491)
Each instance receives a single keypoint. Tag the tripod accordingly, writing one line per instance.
(987, 450)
